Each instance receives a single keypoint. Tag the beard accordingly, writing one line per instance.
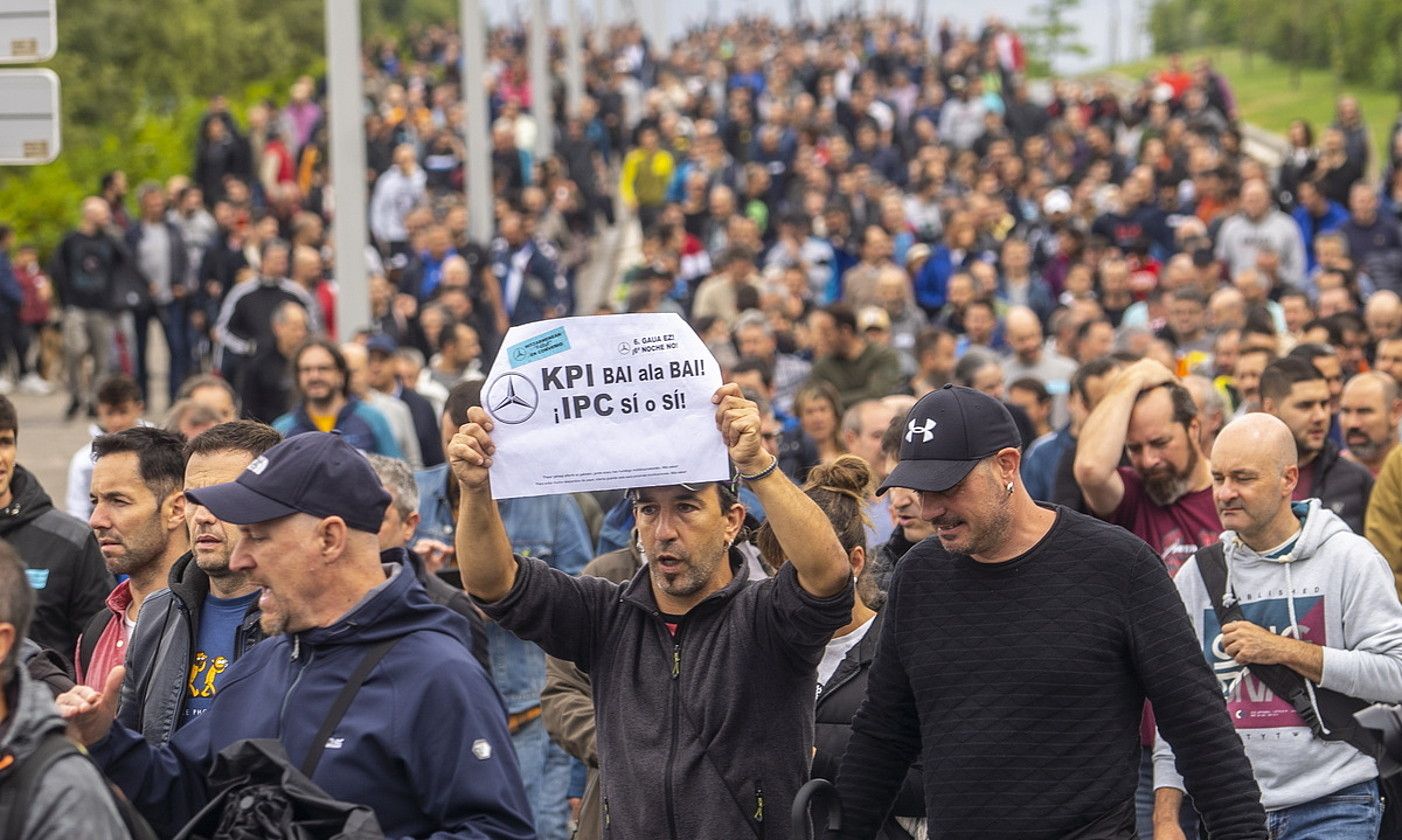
(693, 573)
(1368, 449)
(984, 537)
(1165, 485)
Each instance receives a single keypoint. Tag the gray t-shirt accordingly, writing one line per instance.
(154, 258)
(1052, 370)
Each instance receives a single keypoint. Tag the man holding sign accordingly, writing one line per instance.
(703, 682)
(626, 396)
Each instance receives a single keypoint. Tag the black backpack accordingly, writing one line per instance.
(20, 782)
(261, 795)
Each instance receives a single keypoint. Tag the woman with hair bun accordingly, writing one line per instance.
(840, 489)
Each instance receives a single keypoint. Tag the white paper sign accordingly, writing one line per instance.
(604, 402)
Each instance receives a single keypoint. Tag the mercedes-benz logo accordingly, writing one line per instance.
(623, 348)
(512, 398)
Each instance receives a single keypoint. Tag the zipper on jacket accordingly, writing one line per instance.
(282, 713)
(606, 814)
(676, 725)
(759, 807)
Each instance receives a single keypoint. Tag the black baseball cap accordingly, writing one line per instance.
(317, 473)
(946, 434)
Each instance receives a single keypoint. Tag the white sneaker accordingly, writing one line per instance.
(35, 384)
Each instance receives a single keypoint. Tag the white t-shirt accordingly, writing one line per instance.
(837, 651)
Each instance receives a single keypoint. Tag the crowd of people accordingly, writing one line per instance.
(1012, 377)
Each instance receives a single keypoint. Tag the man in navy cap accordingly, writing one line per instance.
(1019, 647)
(308, 512)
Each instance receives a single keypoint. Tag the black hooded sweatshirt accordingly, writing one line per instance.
(65, 568)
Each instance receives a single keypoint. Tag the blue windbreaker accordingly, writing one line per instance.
(424, 743)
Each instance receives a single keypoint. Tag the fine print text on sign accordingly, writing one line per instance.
(603, 403)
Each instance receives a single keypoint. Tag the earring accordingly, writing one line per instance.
(1010, 488)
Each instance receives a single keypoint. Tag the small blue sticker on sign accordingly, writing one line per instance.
(38, 578)
(543, 346)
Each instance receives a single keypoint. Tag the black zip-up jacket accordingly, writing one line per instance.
(85, 268)
(705, 735)
(154, 692)
(1343, 486)
(838, 702)
(65, 567)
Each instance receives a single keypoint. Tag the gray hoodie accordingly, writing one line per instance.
(1333, 589)
(72, 800)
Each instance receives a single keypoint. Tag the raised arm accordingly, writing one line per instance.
(482, 547)
(803, 531)
(1102, 440)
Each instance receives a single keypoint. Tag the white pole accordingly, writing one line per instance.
(574, 60)
(601, 25)
(541, 85)
(476, 122)
(347, 164)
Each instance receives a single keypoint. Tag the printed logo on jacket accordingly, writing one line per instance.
(1249, 702)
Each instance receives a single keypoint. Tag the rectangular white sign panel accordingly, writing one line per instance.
(603, 402)
(28, 31)
(29, 118)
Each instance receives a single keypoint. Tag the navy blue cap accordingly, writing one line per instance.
(381, 343)
(946, 434)
(316, 473)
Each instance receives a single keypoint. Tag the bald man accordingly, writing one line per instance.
(1212, 408)
(85, 268)
(1226, 309)
(1262, 229)
(1029, 356)
(1369, 411)
(1313, 597)
(1382, 314)
(394, 410)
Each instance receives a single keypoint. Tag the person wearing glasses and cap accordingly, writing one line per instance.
(1018, 648)
(703, 680)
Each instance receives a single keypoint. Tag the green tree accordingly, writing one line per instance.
(1051, 34)
(136, 78)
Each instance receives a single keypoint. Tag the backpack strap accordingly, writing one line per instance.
(92, 633)
(342, 703)
(1334, 720)
(20, 782)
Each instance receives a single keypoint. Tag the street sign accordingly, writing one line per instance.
(28, 31)
(29, 131)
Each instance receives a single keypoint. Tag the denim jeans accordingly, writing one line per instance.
(545, 770)
(174, 318)
(1144, 802)
(1353, 813)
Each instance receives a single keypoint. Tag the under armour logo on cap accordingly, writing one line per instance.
(972, 427)
(926, 430)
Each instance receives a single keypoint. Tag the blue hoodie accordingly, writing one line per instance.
(424, 743)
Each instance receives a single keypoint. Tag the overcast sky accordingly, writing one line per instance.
(1094, 18)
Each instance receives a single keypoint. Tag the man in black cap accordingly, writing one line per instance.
(1018, 650)
(308, 512)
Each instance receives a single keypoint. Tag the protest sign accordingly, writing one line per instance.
(603, 402)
